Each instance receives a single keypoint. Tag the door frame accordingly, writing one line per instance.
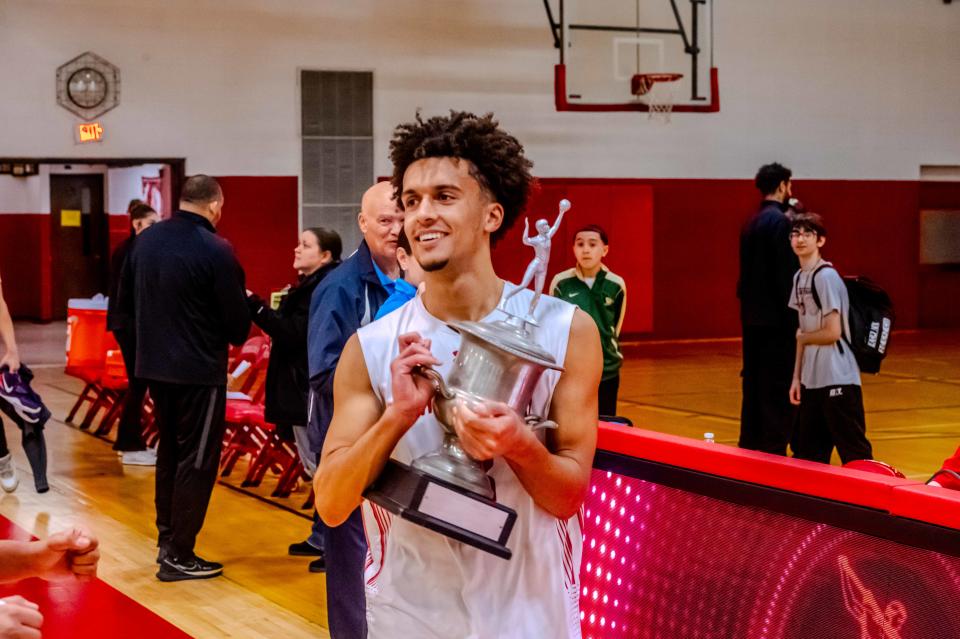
(99, 239)
(177, 166)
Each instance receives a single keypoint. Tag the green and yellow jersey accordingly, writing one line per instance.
(605, 300)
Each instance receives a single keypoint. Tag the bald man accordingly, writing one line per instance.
(344, 301)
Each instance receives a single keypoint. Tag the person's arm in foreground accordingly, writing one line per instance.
(557, 475)
(19, 618)
(362, 433)
(64, 555)
(11, 355)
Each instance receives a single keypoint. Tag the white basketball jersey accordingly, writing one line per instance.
(421, 584)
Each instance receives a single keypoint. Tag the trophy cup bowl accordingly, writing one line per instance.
(446, 490)
(498, 362)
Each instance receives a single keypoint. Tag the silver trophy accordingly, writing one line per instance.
(447, 490)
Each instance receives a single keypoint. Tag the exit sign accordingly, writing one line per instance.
(89, 132)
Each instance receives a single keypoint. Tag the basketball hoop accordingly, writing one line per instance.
(657, 91)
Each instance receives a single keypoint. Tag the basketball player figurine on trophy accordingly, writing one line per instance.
(446, 490)
(537, 270)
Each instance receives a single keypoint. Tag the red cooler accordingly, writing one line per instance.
(86, 336)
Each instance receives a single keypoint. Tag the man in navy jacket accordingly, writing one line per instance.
(767, 266)
(343, 302)
(184, 290)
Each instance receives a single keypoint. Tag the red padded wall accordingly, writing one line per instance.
(696, 225)
(261, 218)
(674, 241)
(24, 261)
(625, 213)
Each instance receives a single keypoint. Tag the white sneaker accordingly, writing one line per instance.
(140, 457)
(8, 474)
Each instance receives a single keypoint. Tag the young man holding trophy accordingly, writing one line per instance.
(455, 415)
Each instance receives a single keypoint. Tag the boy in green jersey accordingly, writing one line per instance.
(601, 294)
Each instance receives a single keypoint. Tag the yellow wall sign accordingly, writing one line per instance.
(69, 217)
(89, 132)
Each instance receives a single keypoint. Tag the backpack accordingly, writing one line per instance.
(870, 320)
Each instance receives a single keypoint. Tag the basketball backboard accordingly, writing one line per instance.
(605, 44)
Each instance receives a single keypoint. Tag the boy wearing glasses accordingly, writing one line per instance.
(826, 378)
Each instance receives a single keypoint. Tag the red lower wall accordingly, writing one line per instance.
(261, 218)
(873, 229)
(24, 263)
(674, 241)
(625, 212)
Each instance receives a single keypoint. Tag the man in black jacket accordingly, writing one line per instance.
(184, 289)
(767, 265)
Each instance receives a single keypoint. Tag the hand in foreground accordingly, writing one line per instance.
(19, 618)
(70, 555)
(412, 393)
(490, 429)
(795, 392)
(11, 359)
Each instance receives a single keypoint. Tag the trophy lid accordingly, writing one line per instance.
(512, 339)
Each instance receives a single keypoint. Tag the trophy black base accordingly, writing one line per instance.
(443, 507)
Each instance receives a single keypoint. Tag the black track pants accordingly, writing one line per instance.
(130, 430)
(190, 419)
(766, 414)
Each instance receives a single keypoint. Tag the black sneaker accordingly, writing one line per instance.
(177, 570)
(164, 553)
(318, 565)
(215, 565)
(304, 549)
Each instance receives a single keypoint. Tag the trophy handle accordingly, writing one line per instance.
(439, 386)
(535, 422)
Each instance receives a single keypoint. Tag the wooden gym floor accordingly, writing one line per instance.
(685, 388)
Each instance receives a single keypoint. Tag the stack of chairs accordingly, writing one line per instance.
(248, 434)
(93, 356)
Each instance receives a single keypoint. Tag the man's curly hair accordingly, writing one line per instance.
(496, 158)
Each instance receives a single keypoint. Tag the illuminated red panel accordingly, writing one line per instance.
(664, 563)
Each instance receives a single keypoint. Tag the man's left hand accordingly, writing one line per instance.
(490, 429)
(70, 555)
(11, 360)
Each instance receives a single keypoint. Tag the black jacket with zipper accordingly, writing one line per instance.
(287, 378)
(767, 265)
(184, 290)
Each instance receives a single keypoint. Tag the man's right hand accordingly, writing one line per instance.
(19, 618)
(412, 393)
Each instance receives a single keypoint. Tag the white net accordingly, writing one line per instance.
(659, 92)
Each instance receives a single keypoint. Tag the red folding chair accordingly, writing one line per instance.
(246, 430)
(115, 383)
(85, 349)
